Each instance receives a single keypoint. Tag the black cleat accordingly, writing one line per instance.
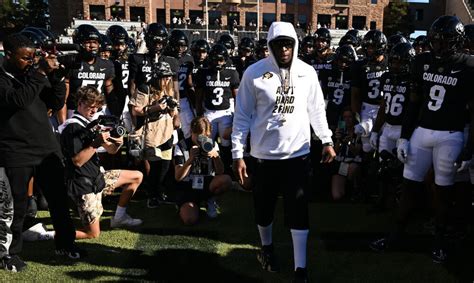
(267, 259)
(13, 263)
(72, 252)
(301, 275)
(439, 255)
(379, 245)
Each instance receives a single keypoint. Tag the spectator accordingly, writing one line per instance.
(85, 181)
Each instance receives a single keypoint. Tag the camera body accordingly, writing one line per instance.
(106, 123)
(170, 101)
(205, 143)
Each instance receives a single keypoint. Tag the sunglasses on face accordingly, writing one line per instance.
(286, 43)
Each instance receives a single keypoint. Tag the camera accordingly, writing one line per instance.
(205, 144)
(170, 101)
(105, 123)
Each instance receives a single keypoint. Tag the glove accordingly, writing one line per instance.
(464, 160)
(402, 149)
(374, 139)
(359, 130)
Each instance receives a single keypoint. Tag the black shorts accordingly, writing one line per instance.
(288, 177)
(185, 192)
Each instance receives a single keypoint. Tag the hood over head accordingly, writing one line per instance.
(282, 30)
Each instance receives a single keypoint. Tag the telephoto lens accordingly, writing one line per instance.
(205, 143)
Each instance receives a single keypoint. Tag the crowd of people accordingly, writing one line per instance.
(376, 115)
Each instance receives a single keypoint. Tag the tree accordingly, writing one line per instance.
(38, 14)
(397, 18)
(13, 15)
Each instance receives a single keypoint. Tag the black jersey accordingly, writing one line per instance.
(242, 65)
(121, 74)
(446, 90)
(89, 74)
(217, 87)
(336, 86)
(140, 67)
(366, 76)
(185, 70)
(186, 58)
(396, 90)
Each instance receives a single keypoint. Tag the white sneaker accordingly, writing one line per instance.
(212, 208)
(125, 221)
(37, 232)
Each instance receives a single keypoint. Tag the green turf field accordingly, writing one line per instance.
(223, 250)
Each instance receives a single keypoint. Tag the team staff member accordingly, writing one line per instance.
(28, 146)
(279, 97)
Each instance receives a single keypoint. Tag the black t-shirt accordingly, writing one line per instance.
(336, 86)
(240, 65)
(217, 87)
(74, 138)
(445, 89)
(396, 91)
(140, 67)
(366, 77)
(89, 74)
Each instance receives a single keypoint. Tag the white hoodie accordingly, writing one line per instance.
(260, 101)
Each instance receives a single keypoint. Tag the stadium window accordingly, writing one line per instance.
(269, 1)
(303, 1)
(373, 25)
(268, 19)
(97, 12)
(324, 20)
(419, 14)
(342, 2)
(137, 14)
(290, 18)
(358, 22)
(373, 1)
(288, 1)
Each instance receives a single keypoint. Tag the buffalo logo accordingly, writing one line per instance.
(267, 75)
(426, 67)
(208, 77)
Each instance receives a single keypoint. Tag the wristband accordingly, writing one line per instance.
(328, 144)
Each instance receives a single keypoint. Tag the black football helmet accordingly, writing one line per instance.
(156, 33)
(117, 34)
(307, 45)
(401, 57)
(131, 46)
(247, 44)
(85, 33)
(469, 38)
(105, 43)
(324, 35)
(178, 43)
(446, 36)
(377, 41)
(421, 43)
(261, 50)
(394, 40)
(348, 39)
(218, 56)
(228, 42)
(199, 47)
(345, 56)
(356, 35)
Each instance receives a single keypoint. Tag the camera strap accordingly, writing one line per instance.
(75, 119)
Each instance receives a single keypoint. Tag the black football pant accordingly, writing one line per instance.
(290, 177)
(156, 178)
(49, 175)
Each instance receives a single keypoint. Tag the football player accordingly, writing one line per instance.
(88, 69)
(307, 49)
(323, 51)
(442, 84)
(245, 56)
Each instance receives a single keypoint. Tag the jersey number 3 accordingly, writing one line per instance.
(218, 92)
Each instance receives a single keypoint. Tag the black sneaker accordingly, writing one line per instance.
(301, 275)
(163, 198)
(379, 245)
(439, 255)
(13, 263)
(72, 252)
(267, 259)
(153, 203)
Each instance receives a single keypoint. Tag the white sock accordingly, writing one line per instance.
(300, 238)
(265, 234)
(120, 212)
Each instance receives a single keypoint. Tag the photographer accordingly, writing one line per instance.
(156, 104)
(86, 183)
(199, 172)
(348, 148)
(29, 148)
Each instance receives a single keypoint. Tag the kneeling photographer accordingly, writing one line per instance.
(199, 172)
(86, 183)
(155, 105)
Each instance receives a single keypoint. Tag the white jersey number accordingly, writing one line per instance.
(219, 93)
(125, 74)
(338, 96)
(437, 93)
(97, 83)
(393, 104)
(374, 84)
(181, 80)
